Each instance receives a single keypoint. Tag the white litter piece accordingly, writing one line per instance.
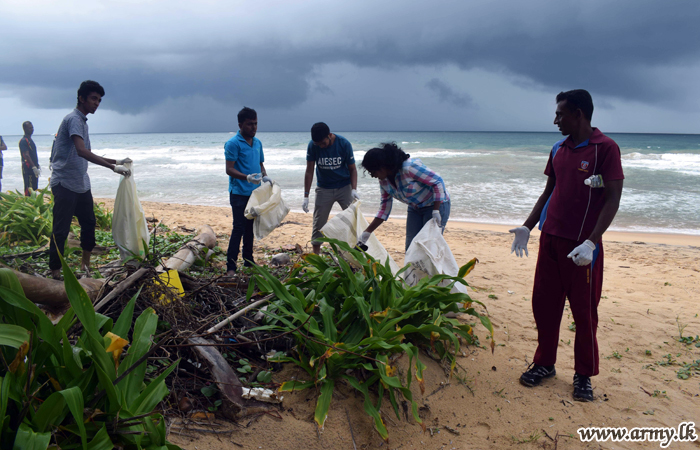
(263, 395)
(430, 255)
(267, 208)
(348, 226)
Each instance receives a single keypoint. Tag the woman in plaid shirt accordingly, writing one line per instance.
(410, 182)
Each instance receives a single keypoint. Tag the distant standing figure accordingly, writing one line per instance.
(336, 176)
(2, 148)
(245, 169)
(410, 182)
(70, 183)
(30, 161)
(580, 200)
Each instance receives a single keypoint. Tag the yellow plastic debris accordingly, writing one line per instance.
(171, 278)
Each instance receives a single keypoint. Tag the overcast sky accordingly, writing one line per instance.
(184, 66)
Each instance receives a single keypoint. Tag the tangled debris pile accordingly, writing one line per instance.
(215, 347)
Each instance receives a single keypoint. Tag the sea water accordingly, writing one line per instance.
(491, 177)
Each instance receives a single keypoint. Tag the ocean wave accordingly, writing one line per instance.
(444, 154)
(686, 163)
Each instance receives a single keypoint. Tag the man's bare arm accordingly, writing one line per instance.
(233, 172)
(353, 176)
(309, 176)
(613, 192)
(83, 152)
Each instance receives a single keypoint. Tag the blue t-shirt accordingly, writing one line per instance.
(248, 160)
(332, 163)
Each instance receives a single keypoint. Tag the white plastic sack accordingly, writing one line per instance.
(267, 208)
(348, 225)
(430, 255)
(129, 228)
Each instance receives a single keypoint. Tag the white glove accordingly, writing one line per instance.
(121, 162)
(522, 235)
(355, 195)
(254, 178)
(267, 179)
(364, 237)
(36, 171)
(583, 254)
(305, 204)
(121, 170)
(437, 217)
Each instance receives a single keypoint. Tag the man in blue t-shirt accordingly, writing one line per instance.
(336, 176)
(244, 166)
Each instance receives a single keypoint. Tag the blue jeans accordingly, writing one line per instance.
(417, 217)
(242, 228)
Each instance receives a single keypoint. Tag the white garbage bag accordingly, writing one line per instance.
(267, 208)
(348, 225)
(129, 228)
(430, 255)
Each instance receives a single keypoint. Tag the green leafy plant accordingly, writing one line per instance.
(26, 218)
(78, 392)
(29, 219)
(347, 320)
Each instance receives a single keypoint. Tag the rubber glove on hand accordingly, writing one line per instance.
(267, 179)
(305, 204)
(254, 178)
(121, 162)
(583, 254)
(522, 235)
(355, 195)
(362, 241)
(36, 171)
(437, 217)
(121, 170)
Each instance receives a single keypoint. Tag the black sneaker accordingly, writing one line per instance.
(583, 391)
(535, 374)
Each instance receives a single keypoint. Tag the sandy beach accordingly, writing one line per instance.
(650, 296)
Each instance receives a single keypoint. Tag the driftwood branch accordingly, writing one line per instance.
(233, 317)
(188, 254)
(121, 287)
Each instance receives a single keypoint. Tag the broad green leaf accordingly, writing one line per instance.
(28, 439)
(123, 325)
(79, 300)
(153, 394)
(12, 335)
(101, 441)
(144, 328)
(74, 399)
(49, 413)
(4, 397)
(324, 402)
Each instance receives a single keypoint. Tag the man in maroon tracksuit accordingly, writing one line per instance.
(578, 204)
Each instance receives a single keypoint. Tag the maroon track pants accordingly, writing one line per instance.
(556, 279)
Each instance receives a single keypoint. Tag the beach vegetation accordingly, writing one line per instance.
(72, 385)
(352, 320)
(28, 220)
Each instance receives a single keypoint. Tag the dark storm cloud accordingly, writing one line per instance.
(447, 94)
(639, 50)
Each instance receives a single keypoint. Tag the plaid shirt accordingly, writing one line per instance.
(416, 185)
